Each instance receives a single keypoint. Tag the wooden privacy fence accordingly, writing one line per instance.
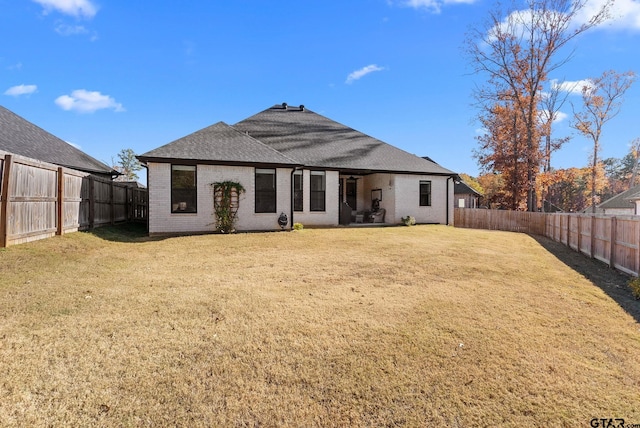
(614, 240)
(39, 200)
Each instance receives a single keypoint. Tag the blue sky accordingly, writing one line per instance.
(106, 75)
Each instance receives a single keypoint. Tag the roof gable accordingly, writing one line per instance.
(317, 141)
(21, 137)
(219, 143)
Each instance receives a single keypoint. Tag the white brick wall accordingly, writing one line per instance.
(331, 215)
(161, 220)
(400, 197)
(407, 199)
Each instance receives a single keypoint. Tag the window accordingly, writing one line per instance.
(317, 189)
(265, 190)
(425, 193)
(297, 191)
(184, 194)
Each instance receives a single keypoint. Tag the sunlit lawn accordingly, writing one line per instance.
(346, 327)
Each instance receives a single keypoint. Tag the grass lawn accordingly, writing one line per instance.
(342, 327)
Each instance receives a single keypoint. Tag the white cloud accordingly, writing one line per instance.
(77, 8)
(558, 117)
(572, 87)
(480, 131)
(434, 6)
(84, 101)
(16, 91)
(75, 30)
(625, 14)
(358, 74)
(518, 23)
(70, 30)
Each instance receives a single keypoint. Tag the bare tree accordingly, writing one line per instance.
(517, 49)
(551, 102)
(602, 99)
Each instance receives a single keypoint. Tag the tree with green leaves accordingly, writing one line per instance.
(127, 165)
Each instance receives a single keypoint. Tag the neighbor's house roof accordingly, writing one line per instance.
(218, 143)
(316, 141)
(621, 200)
(22, 137)
(462, 188)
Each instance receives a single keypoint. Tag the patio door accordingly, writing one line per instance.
(352, 193)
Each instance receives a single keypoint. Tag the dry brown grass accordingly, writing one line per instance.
(344, 327)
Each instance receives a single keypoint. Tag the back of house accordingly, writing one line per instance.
(292, 161)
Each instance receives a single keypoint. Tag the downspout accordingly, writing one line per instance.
(291, 202)
(293, 171)
(447, 198)
(146, 166)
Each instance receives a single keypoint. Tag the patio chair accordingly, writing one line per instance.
(378, 216)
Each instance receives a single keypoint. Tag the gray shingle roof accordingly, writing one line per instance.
(317, 141)
(219, 143)
(462, 188)
(22, 137)
(621, 200)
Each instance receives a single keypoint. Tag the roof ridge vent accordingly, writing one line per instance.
(284, 106)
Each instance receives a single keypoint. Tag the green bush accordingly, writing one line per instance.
(226, 200)
(408, 220)
(634, 284)
(298, 226)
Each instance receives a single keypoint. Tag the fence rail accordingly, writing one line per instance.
(39, 200)
(614, 240)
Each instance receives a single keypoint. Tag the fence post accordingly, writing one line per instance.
(92, 202)
(6, 194)
(593, 235)
(60, 207)
(637, 270)
(112, 212)
(612, 257)
(127, 204)
(579, 233)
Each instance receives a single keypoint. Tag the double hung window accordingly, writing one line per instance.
(265, 190)
(184, 196)
(425, 193)
(317, 190)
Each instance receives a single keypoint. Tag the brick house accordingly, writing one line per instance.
(291, 160)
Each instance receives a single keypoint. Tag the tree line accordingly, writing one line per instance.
(567, 189)
(517, 50)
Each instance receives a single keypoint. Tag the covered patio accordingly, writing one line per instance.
(365, 198)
